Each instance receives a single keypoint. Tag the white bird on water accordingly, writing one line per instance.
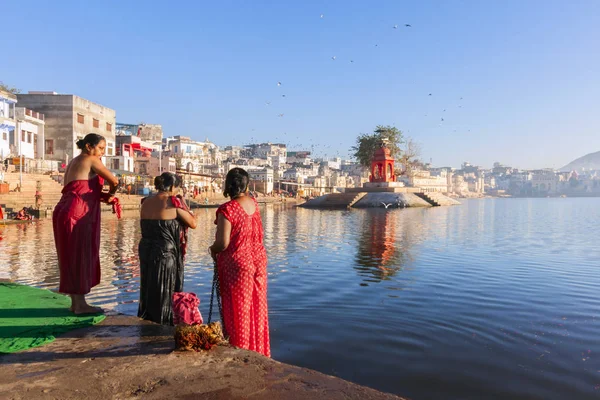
(386, 205)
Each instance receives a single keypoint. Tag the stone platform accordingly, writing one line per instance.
(387, 197)
(126, 358)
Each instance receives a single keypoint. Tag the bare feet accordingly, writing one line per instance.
(86, 309)
(80, 306)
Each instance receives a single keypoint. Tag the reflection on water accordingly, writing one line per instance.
(491, 299)
(381, 250)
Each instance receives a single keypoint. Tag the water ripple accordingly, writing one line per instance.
(491, 299)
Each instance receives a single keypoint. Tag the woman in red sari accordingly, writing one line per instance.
(242, 266)
(76, 222)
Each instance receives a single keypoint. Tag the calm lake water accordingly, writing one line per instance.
(496, 298)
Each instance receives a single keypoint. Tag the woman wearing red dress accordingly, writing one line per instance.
(76, 222)
(242, 266)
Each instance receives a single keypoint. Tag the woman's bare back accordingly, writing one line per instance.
(80, 168)
(158, 207)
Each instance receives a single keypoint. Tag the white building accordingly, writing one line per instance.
(29, 142)
(299, 157)
(334, 163)
(427, 182)
(261, 178)
(294, 175)
(545, 181)
(7, 122)
(193, 154)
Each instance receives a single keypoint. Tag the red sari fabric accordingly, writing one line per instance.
(242, 269)
(183, 238)
(76, 222)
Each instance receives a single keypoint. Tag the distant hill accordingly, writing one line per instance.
(587, 162)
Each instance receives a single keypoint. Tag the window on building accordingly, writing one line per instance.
(29, 137)
(108, 127)
(110, 149)
(50, 146)
(80, 118)
(4, 136)
(96, 123)
(23, 136)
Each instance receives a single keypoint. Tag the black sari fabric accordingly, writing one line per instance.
(161, 269)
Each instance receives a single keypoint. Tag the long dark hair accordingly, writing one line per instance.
(236, 182)
(91, 138)
(167, 181)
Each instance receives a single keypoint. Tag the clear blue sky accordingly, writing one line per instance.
(527, 71)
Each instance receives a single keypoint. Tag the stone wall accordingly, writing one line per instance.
(58, 117)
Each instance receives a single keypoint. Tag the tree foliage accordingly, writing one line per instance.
(367, 143)
(9, 89)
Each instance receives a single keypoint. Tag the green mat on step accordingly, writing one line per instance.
(31, 317)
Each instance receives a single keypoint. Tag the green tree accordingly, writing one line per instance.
(367, 143)
(9, 89)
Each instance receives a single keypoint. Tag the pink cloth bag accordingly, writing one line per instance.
(185, 309)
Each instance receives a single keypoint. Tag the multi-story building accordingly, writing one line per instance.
(28, 138)
(261, 177)
(269, 151)
(151, 166)
(427, 182)
(334, 163)
(69, 118)
(193, 154)
(298, 157)
(7, 121)
(232, 152)
(128, 149)
(544, 182)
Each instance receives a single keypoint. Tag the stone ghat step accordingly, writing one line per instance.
(50, 203)
(437, 199)
(339, 200)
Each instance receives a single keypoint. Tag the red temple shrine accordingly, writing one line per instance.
(382, 166)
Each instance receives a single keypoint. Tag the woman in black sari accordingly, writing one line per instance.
(164, 220)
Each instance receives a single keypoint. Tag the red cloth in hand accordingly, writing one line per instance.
(179, 203)
(185, 309)
(117, 208)
(116, 204)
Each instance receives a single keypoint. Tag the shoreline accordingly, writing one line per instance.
(125, 357)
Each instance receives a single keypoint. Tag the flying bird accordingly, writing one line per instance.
(333, 58)
(280, 115)
(351, 61)
(395, 26)
(283, 95)
(430, 94)
(322, 16)
(278, 83)
(268, 103)
(442, 119)
(408, 25)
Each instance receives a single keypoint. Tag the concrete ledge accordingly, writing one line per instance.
(393, 200)
(125, 358)
(376, 200)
